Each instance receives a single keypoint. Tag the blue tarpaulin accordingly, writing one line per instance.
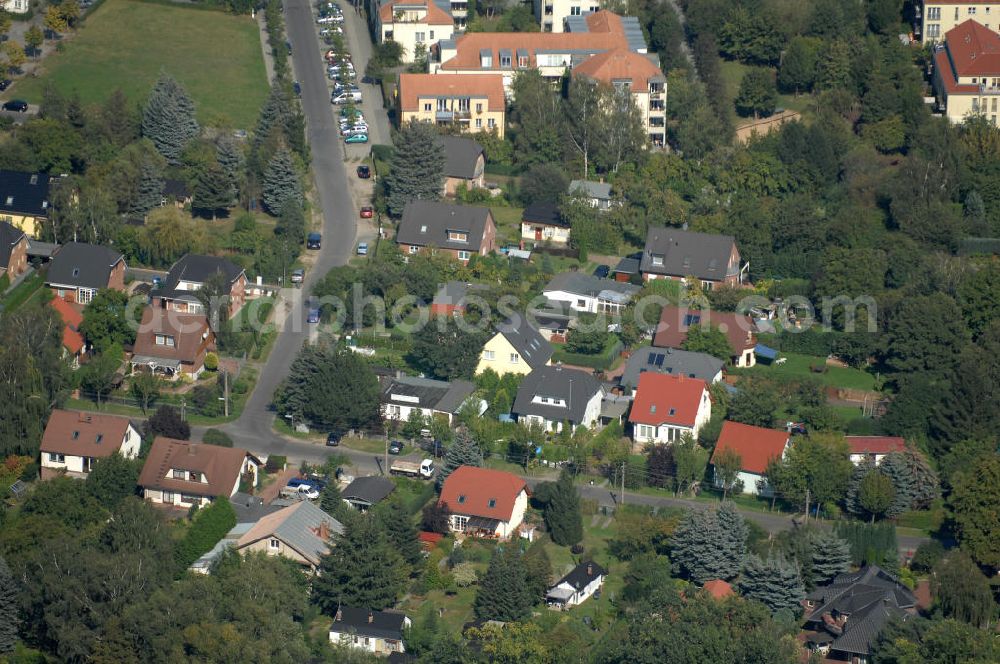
(760, 350)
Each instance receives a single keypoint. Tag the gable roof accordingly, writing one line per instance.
(526, 340)
(197, 268)
(426, 224)
(589, 188)
(662, 399)
(72, 340)
(84, 434)
(439, 395)
(470, 490)
(755, 445)
(875, 444)
(373, 624)
(434, 16)
(414, 87)
(618, 65)
(460, 156)
(220, 466)
(582, 575)
(544, 213)
(186, 329)
(81, 265)
(24, 193)
(573, 387)
(688, 254)
(669, 361)
(371, 489)
(973, 49)
(675, 321)
(587, 285)
(298, 526)
(10, 237)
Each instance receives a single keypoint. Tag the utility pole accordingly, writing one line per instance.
(183, 405)
(623, 484)
(225, 392)
(807, 504)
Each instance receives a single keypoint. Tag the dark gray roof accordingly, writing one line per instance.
(669, 361)
(599, 190)
(371, 489)
(587, 285)
(44, 250)
(9, 237)
(24, 193)
(526, 340)
(176, 188)
(627, 266)
(544, 213)
(581, 575)
(250, 509)
(82, 265)
(701, 255)
(453, 292)
(460, 156)
(426, 224)
(364, 622)
(437, 395)
(197, 268)
(299, 530)
(570, 386)
(868, 598)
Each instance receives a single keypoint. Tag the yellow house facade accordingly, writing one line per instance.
(937, 17)
(516, 348)
(474, 103)
(967, 73)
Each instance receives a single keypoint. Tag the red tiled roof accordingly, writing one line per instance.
(665, 399)
(469, 490)
(755, 445)
(973, 49)
(718, 588)
(413, 87)
(675, 321)
(72, 340)
(620, 65)
(875, 444)
(71, 432)
(434, 16)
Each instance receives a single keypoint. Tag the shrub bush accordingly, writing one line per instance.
(209, 525)
(275, 463)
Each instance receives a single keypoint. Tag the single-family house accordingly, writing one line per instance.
(458, 230)
(74, 346)
(873, 448)
(190, 274)
(667, 407)
(845, 617)
(176, 192)
(299, 532)
(672, 331)
(966, 74)
(24, 199)
(464, 163)
(171, 343)
(378, 632)
(79, 270)
(13, 251)
(416, 25)
(718, 589)
(669, 361)
(365, 492)
(596, 194)
(432, 398)
(589, 294)
(472, 103)
(74, 441)
(554, 396)
(576, 587)
(451, 298)
(638, 75)
(756, 447)
(484, 502)
(182, 474)
(553, 323)
(941, 16)
(543, 223)
(672, 253)
(517, 347)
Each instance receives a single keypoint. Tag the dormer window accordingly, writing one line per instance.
(10, 200)
(423, 228)
(458, 236)
(34, 179)
(657, 259)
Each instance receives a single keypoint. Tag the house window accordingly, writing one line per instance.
(934, 14)
(505, 61)
(461, 499)
(707, 285)
(461, 523)
(457, 236)
(646, 431)
(56, 457)
(419, 37)
(85, 295)
(414, 249)
(432, 35)
(934, 30)
(574, 11)
(194, 477)
(488, 355)
(514, 358)
(972, 11)
(187, 498)
(479, 123)
(581, 304)
(522, 61)
(274, 544)
(427, 106)
(493, 502)
(463, 255)
(491, 123)
(657, 259)
(479, 108)
(168, 497)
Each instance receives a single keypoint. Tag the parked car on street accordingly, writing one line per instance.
(313, 316)
(298, 275)
(367, 212)
(314, 241)
(364, 172)
(333, 438)
(20, 106)
(5, 83)
(362, 249)
(347, 96)
(357, 138)
(396, 447)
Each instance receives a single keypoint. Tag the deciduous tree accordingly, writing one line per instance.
(728, 465)
(105, 323)
(961, 590)
(757, 94)
(8, 608)
(975, 502)
(166, 421)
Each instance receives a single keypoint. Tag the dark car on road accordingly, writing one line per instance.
(5, 83)
(602, 271)
(364, 172)
(16, 105)
(314, 241)
(333, 438)
(396, 447)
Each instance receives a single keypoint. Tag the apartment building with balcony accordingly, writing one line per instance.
(967, 72)
(933, 21)
(638, 75)
(506, 53)
(475, 102)
(414, 24)
(553, 15)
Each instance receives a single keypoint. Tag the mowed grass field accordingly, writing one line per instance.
(126, 44)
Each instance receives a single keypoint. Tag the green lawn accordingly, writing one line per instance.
(24, 291)
(797, 366)
(732, 74)
(508, 221)
(126, 44)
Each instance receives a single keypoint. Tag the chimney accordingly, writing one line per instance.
(590, 570)
(371, 617)
(324, 530)
(339, 616)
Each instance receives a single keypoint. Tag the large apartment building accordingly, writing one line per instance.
(553, 15)
(414, 24)
(937, 17)
(475, 102)
(967, 73)
(641, 78)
